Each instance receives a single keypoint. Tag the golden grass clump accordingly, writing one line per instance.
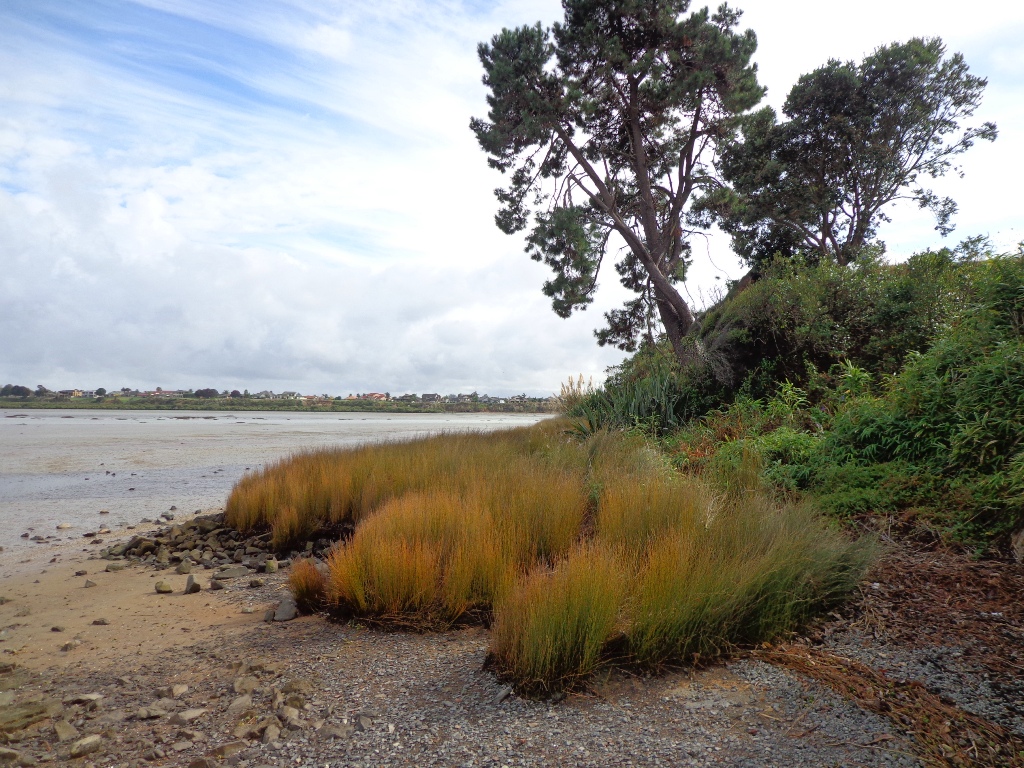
(577, 550)
(549, 632)
(308, 585)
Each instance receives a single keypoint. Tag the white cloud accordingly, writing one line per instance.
(287, 195)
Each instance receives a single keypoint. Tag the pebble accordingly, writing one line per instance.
(163, 588)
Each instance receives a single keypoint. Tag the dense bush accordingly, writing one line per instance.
(941, 443)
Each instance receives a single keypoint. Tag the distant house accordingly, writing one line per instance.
(290, 396)
(412, 398)
(375, 396)
(431, 397)
(70, 393)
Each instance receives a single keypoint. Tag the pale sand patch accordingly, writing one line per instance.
(142, 623)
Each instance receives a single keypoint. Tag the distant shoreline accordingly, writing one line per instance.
(248, 404)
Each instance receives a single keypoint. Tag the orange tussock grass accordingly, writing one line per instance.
(308, 585)
(550, 630)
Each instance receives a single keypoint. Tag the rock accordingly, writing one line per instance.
(65, 731)
(363, 722)
(86, 746)
(187, 716)
(240, 704)
(90, 583)
(233, 572)
(228, 749)
(100, 622)
(70, 645)
(64, 526)
(270, 566)
(192, 586)
(15, 717)
(173, 691)
(83, 698)
(271, 733)
(185, 566)
(288, 713)
(286, 609)
(256, 583)
(163, 588)
(269, 615)
(215, 585)
(245, 684)
(297, 685)
(503, 694)
(56, 628)
(14, 757)
(116, 565)
(81, 573)
(336, 731)
(203, 762)
(150, 713)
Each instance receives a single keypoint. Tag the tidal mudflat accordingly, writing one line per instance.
(68, 466)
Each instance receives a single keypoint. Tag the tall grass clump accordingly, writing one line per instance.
(578, 552)
(549, 632)
(308, 584)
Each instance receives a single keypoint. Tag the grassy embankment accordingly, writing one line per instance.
(577, 552)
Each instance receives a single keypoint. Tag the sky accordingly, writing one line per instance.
(286, 195)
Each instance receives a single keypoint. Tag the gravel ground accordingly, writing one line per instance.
(363, 697)
(312, 692)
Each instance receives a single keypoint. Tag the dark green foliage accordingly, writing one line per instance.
(15, 390)
(857, 137)
(940, 445)
(608, 123)
(802, 318)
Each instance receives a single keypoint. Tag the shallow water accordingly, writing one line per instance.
(65, 466)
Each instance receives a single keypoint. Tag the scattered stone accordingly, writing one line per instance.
(81, 573)
(13, 757)
(185, 566)
(86, 746)
(83, 698)
(192, 586)
(270, 566)
(203, 762)
(149, 713)
(215, 585)
(245, 684)
(163, 588)
(173, 691)
(256, 583)
(248, 609)
(63, 526)
(286, 609)
(228, 749)
(297, 685)
(240, 704)
(503, 694)
(65, 731)
(233, 572)
(116, 565)
(90, 583)
(272, 733)
(16, 717)
(287, 713)
(100, 622)
(336, 731)
(56, 628)
(70, 645)
(187, 716)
